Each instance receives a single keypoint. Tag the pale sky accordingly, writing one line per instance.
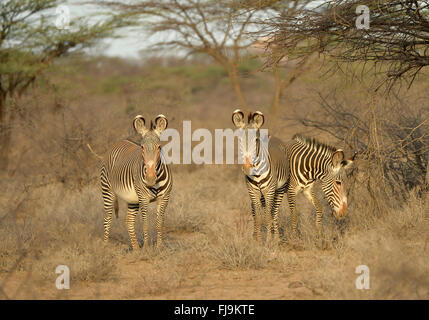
(127, 46)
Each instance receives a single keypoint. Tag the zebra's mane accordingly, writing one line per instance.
(314, 144)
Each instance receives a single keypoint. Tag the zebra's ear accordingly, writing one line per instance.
(238, 118)
(337, 158)
(347, 163)
(139, 125)
(258, 119)
(161, 123)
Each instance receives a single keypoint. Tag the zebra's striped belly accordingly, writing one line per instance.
(128, 195)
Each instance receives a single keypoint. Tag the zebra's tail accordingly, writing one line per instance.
(116, 205)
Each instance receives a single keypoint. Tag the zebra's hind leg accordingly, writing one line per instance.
(275, 213)
(162, 204)
(133, 208)
(110, 204)
(108, 211)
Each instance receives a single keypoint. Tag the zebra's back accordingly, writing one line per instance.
(307, 158)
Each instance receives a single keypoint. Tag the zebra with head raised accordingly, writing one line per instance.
(310, 161)
(137, 174)
(265, 168)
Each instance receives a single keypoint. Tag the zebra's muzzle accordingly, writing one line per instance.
(341, 212)
(150, 173)
(247, 166)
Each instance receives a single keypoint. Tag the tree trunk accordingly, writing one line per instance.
(233, 76)
(277, 92)
(281, 85)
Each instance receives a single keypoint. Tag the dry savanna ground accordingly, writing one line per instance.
(52, 210)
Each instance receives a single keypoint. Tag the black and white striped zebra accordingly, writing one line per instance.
(266, 171)
(310, 161)
(137, 174)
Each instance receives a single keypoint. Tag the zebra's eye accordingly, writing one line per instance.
(338, 182)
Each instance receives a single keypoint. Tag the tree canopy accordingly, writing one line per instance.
(31, 37)
(397, 36)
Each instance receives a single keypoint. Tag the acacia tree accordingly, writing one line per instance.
(214, 28)
(225, 30)
(30, 39)
(396, 43)
(396, 40)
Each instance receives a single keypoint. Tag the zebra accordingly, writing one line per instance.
(137, 174)
(310, 161)
(266, 171)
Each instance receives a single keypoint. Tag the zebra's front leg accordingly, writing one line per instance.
(256, 205)
(309, 193)
(162, 204)
(257, 220)
(133, 208)
(144, 204)
(275, 216)
(269, 201)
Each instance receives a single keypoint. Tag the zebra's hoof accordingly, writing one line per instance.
(129, 250)
(135, 246)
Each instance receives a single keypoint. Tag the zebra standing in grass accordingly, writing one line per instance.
(266, 171)
(137, 174)
(309, 161)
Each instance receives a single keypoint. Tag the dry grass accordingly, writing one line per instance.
(233, 248)
(70, 233)
(64, 231)
(394, 249)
